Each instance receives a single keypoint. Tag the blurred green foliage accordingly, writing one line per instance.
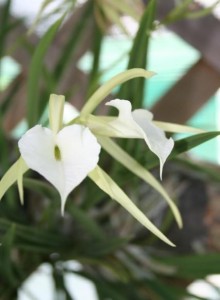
(94, 231)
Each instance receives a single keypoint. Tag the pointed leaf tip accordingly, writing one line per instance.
(12, 175)
(109, 186)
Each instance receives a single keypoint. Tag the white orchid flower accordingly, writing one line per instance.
(138, 124)
(64, 157)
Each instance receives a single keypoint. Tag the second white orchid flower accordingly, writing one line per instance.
(138, 124)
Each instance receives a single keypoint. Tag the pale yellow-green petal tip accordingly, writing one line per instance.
(21, 192)
(63, 202)
(165, 239)
(177, 215)
(171, 244)
(21, 199)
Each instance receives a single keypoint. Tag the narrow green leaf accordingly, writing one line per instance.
(81, 217)
(138, 57)
(188, 143)
(32, 236)
(86, 222)
(127, 161)
(95, 73)
(73, 41)
(36, 67)
(11, 176)
(105, 246)
(178, 13)
(164, 290)
(6, 265)
(193, 266)
(207, 171)
(39, 17)
(5, 17)
(114, 17)
(106, 289)
(106, 88)
(125, 8)
(105, 183)
(4, 158)
(202, 12)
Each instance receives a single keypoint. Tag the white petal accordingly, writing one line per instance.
(139, 124)
(70, 113)
(154, 136)
(79, 154)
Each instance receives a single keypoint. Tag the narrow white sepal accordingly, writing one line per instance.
(56, 107)
(139, 124)
(64, 159)
(20, 165)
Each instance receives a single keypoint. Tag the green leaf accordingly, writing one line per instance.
(127, 161)
(42, 15)
(178, 13)
(6, 265)
(209, 172)
(105, 183)
(183, 145)
(114, 17)
(95, 72)
(125, 8)
(106, 290)
(86, 222)
(12, 175)
(5, 18)
(80, 216)
(193, 266)
(35, 239)
(138, 57)
(202, 12)
(106, 88)
(164, 291)
(73, 41)
(104, 247)
(34, 104)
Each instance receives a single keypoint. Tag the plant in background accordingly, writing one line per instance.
(66, 155)
(115, 153)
